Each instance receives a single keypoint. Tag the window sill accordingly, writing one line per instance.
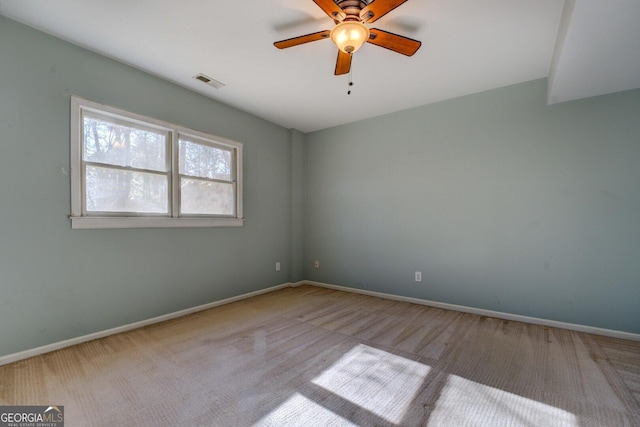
(85, 222)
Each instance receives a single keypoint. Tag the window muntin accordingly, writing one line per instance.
(134, 171)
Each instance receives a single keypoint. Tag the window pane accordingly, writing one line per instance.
(115, 144)
(116, 190)
(206, 197)
(204, 161)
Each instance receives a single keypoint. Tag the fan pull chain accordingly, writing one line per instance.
(350, 81)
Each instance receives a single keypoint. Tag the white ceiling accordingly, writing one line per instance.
(468, 46)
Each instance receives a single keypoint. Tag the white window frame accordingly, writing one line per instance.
(80, 219)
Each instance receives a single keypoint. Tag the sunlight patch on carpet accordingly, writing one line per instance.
(299, 411)
(465, 402)
(380, 382)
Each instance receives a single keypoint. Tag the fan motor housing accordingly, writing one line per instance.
(352, 8)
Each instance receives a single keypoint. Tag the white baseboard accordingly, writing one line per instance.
(10, 358)
(489, 313)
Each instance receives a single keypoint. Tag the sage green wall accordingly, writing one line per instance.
(298, 172)
(503, 203)
(57, 283)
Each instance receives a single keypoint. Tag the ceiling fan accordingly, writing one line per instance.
(350, 31)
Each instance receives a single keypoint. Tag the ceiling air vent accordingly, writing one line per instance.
(208, 80)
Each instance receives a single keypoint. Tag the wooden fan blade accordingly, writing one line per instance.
(343, 64)
(320, 35)
(394, 42)
(378, 8)
(332, 9)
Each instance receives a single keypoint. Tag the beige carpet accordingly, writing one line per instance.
(310, 356)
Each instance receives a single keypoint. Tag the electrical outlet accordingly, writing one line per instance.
(316, 264)
(418, 276)
(278, 266)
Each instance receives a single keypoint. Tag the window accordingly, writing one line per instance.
(130, 171)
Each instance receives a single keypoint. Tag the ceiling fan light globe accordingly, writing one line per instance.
(349, 36)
